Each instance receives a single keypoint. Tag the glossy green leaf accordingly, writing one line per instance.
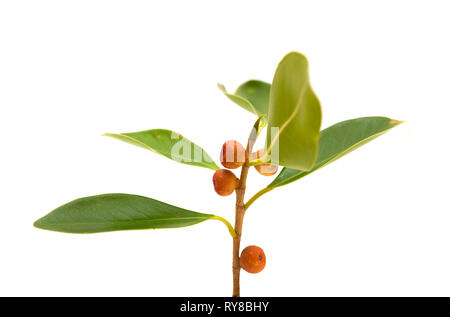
(338, 140)
(112, 212)
(257, 92)
(170, 144)
(253, 96)
(294, 116)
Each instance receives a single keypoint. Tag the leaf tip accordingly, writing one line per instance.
(295, 54)
(221, 88)
(396, 122)
(38, 224)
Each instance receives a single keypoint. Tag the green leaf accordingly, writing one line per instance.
(170, 144)
(111, 212)
(294, 116)
(253, 96)
(338, 140)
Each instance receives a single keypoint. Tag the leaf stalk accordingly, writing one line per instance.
(256, 196)
(229, 226)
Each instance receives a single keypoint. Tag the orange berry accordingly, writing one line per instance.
(265, 169)
(225, 182)
(233, 154)
(252, 259)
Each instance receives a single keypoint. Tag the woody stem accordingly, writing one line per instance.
(240, 212)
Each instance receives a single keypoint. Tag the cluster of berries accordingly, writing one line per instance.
(233, 155)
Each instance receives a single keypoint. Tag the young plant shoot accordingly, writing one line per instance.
(287, 109)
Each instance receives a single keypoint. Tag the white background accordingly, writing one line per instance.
(376, 222)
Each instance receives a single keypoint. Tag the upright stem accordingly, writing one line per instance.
(240, 212)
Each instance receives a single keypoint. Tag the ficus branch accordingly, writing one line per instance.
(298, 117)
(240, 211)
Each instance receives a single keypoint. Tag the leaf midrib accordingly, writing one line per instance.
(122, 221)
